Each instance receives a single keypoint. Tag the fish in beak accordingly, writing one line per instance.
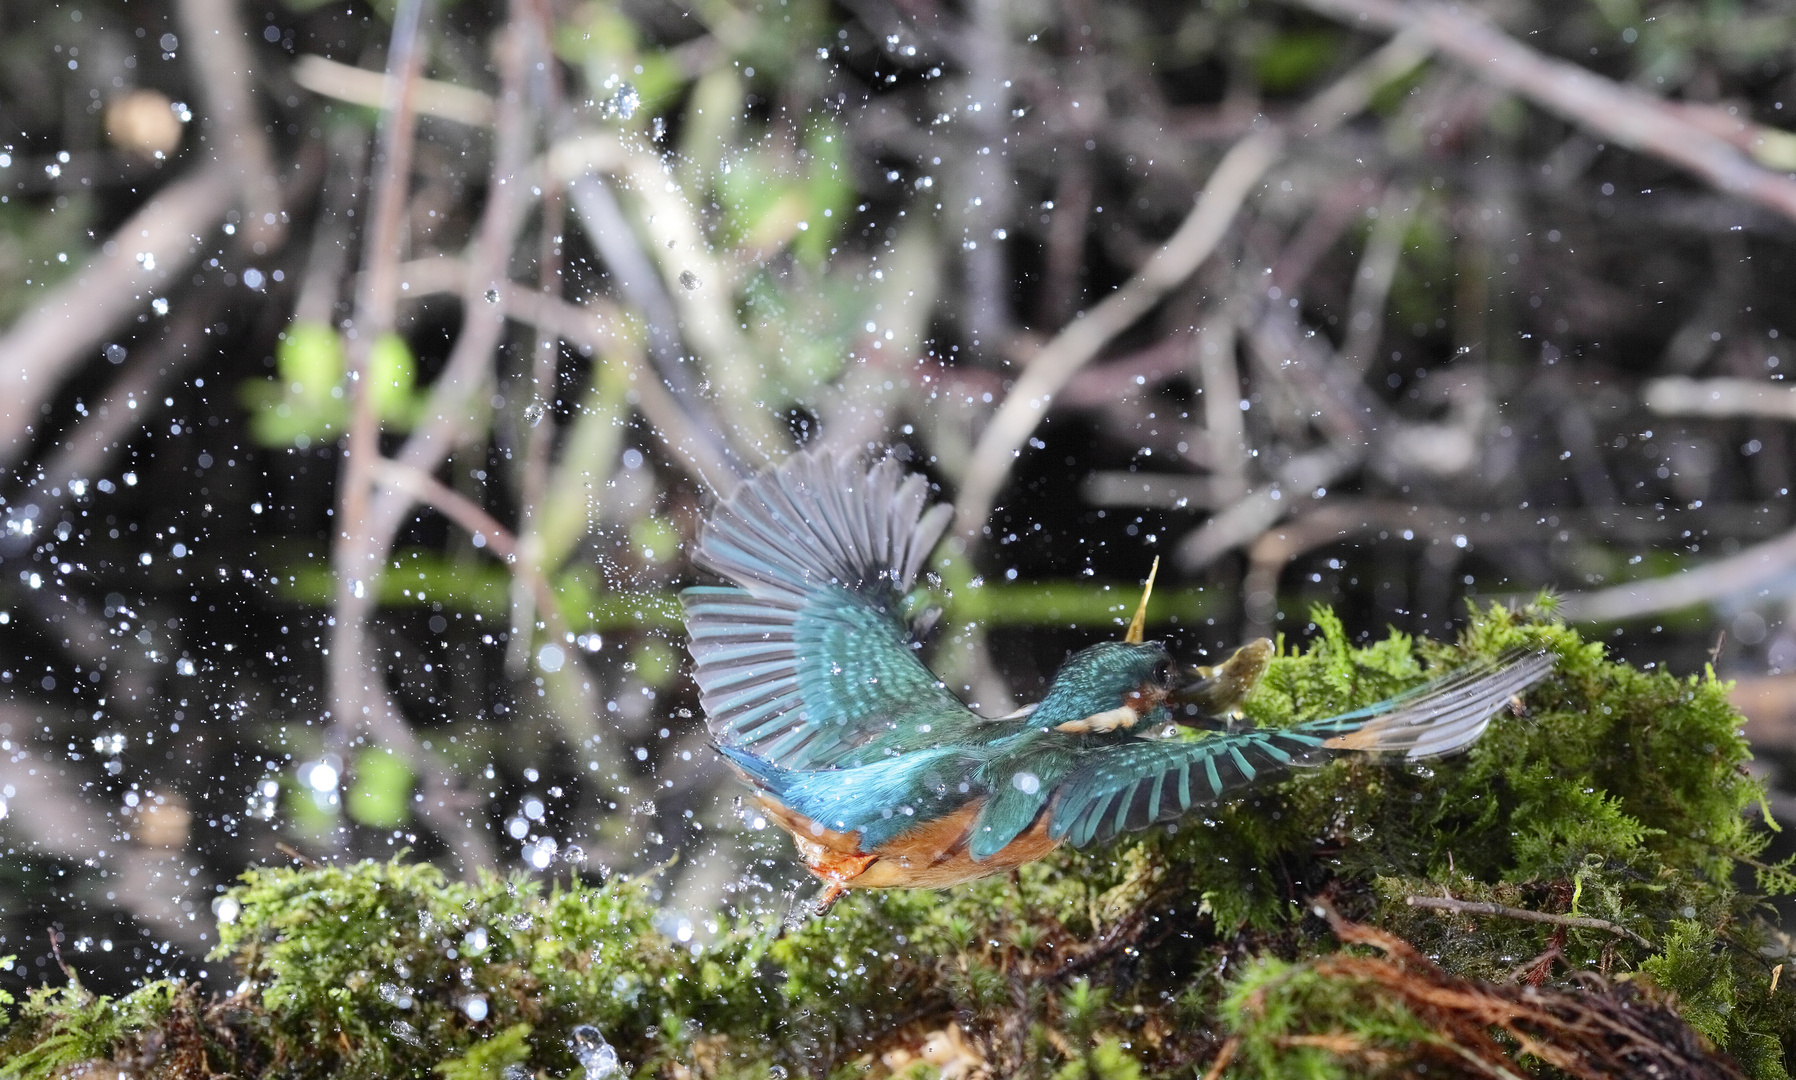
(1215, 694)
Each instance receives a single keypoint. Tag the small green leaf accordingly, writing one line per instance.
(310, 360)
(392, 373)
(382, 793)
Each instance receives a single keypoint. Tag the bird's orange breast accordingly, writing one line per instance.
(932, 855)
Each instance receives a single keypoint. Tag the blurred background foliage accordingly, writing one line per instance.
(1418, 368)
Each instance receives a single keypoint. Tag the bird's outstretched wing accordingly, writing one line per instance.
(1133, 784)
(807, 662)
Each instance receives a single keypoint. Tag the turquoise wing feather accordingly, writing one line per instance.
(1135, 783)
(805, 661)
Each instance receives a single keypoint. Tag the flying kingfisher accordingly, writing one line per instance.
(813, 688)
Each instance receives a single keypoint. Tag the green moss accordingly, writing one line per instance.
(1618, 795)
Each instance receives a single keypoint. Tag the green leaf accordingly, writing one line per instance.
(392, 374)
(381, 796)
(310, 360)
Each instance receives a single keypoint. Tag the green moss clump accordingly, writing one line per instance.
(1617, 797)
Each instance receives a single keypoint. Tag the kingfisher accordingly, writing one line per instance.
(814, 690)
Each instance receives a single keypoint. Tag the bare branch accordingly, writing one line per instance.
(1619, 113)
(594, 327)
(140, 259)
(376, 295)
(1720, 398)
(82, 450)
(1234, 179)
(445, 101)
(1751, 569)
(1372, 281)
(1475, 907)
(219, 45)
(1260, 510)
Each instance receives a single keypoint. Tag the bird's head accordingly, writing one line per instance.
(1106, 677)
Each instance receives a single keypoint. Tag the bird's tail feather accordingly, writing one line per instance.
(1439, 717)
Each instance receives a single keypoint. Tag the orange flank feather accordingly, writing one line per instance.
(931, 856)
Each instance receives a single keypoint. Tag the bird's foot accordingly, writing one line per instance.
(827, 897)
(836, 870)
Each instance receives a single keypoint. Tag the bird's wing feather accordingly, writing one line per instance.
(1133, 784)
(806, 661)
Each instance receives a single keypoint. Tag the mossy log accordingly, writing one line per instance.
(1564, 899)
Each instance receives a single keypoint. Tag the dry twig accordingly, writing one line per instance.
(1617, 112)
(1478, 907)
(1590, 1035)
(219, 45)
(445, 101)
(1234, 179)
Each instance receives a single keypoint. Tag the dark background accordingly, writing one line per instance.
(1437, 331)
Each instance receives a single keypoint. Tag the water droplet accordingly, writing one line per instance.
(492, 296)
(688, 279)
(227, 909)
(322, 776)
(405, 1033)
(475, 941)
(475, 1006)
(624, 102)
(541, 853)
(534, 413)
(1026, 782)
(594, 1054)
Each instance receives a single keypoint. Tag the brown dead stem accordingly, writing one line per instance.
(1602, 1031)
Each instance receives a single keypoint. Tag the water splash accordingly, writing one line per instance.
(623, 102)
(594, 1054)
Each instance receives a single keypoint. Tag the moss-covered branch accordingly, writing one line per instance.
(1615, 798)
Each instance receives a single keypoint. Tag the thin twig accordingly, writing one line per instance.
(219, 46)
(696, 288)
(367, 523)
(376, 297)
(539, 430)
(81, 450)
(594, 328)
(1240, 523)
(1372, 280)
(1477, 907)
(1224, 1057)
(1619, 113)
(470, 515)
(1234, 179)
(445, 101)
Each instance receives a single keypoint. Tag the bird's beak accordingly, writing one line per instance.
(1138, 625)
(1219, 691)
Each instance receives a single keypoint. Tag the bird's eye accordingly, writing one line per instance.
(1163, 671)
